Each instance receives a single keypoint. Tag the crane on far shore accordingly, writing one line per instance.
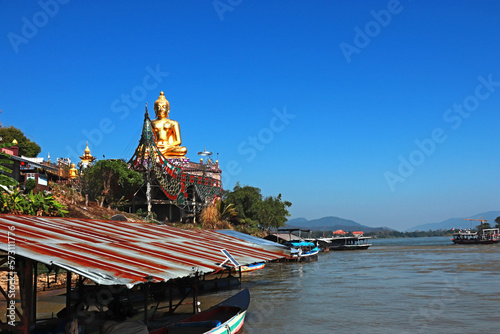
(481, 220)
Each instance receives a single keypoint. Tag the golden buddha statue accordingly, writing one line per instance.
(73, 172)
(167, 131)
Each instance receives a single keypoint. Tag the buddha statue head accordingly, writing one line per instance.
(162, 106)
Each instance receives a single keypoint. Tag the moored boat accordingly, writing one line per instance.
(225, 317)
(349, 243)
(253, 267)
(486, 236)
(303, 251)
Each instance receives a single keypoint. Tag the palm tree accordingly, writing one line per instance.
(225, 210)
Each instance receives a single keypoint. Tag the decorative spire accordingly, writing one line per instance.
(87, 149)
(87, 158)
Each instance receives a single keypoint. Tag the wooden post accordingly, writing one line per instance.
(146, 290)
(35, 283)
(171, 289)
(27, 299)
(195, 295)
(68, 296)
(240, 274)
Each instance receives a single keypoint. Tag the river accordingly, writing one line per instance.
(414, 285)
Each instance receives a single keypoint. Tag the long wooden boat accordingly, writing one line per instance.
(252, 267)
(302, 251)
(487, 236)
(226, 317)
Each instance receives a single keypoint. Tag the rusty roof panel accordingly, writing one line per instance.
(115, 252)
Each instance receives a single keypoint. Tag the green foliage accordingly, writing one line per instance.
(226, 210)
(29, 185)
(252, 210)
(6, 180)
(497, 221)
(110, 181)
(40, 204)
(26, 146)
(247, 202)
(482, 227)
(274, 212)
(415, 234)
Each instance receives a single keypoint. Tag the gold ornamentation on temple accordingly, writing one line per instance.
(87, 159)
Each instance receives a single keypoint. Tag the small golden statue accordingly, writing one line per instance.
(167, 131)
(73, 172)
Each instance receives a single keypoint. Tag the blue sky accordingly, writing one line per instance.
(383, 112)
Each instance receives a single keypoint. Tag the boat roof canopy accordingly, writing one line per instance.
(125, 253)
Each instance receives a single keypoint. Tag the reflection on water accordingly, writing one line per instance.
(417, 285)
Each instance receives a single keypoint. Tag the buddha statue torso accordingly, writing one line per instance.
(73, 172)
(167, 131)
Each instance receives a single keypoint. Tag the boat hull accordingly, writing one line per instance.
(233, 325)
(349, 247)
(225, 317)
(251, 267)
(475, 242)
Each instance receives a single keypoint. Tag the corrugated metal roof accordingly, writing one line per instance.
(115, 252)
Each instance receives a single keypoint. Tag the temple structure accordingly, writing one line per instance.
(86, 159)
(174, 187)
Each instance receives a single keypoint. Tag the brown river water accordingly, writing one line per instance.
(414, 285)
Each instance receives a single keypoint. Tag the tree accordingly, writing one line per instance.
(109, 181)
(26, 146)
(247, 202)
(252, 210)
(497, 221)
(6, 180)
(274, 212)
(226, 210)
(483, 226)
(29, 185)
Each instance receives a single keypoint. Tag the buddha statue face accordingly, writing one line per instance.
(162, 107)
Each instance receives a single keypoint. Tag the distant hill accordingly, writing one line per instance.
(457, 223)
(331, 224)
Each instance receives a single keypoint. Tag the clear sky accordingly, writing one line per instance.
(383, 112)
